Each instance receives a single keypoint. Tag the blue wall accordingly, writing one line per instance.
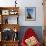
(37, 29)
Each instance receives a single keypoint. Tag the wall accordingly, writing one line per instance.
(25, 3)
(39, 12)
(37, 30)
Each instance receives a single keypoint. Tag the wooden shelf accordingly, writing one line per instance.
(5, 12)
(11, 26)
(9, 43)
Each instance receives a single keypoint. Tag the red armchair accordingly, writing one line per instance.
(28, 34)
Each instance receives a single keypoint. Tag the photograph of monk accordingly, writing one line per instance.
(30, 13)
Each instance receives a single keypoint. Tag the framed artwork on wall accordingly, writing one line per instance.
(30, 13)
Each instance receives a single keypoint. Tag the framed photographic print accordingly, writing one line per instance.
(5, 12)
(30, 13)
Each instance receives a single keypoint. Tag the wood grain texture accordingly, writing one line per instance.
(11, 26)
(9, 43)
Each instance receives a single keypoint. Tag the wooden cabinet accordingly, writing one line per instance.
(5, 13)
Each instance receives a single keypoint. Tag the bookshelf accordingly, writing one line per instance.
(5, 13)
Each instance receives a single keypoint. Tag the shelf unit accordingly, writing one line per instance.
(8, 11)
(5, 13)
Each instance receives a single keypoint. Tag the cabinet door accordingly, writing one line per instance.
(5, 12)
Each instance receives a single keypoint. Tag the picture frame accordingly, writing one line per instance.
(30, 13)
(5, 12)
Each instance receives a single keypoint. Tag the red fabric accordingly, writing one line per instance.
(28, 33)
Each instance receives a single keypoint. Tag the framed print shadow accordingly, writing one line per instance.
(30, 13)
